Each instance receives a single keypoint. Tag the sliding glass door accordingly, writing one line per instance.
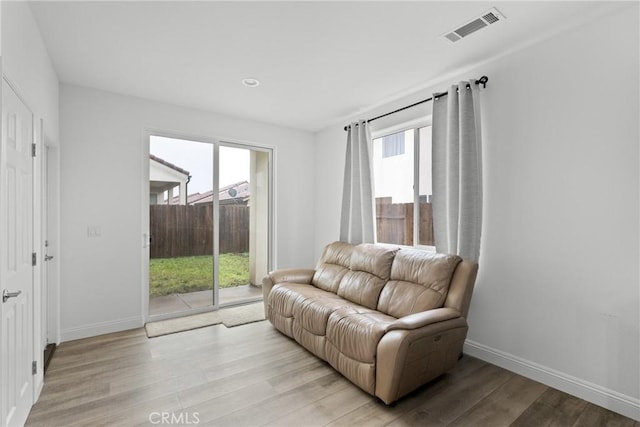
(209, 224)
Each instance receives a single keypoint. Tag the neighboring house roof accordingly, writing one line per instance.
(164, 176)
(197, 197)
(233, 193)
(168, 164)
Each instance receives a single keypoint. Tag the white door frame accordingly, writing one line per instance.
(47, 243)
(50, 182)
(39, 301)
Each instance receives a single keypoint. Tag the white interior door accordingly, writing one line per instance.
(16, 268)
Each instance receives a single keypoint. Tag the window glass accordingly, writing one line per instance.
(393, 145)
(395, 178)
(425, 192)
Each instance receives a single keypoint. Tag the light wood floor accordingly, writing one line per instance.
(252, 375)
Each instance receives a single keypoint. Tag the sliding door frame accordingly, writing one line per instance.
(216, 143)
(216, 204)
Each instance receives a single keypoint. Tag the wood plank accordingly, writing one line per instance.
(326, 409)
(236, 400)
(140, 414)
(377, 413)
(105, 409)
(245, 378)
(253, 375)
(595, 416)
(553, 409)
(248, 396)
(283, 403)
(187, 230)
(504, 405)
(444, 404)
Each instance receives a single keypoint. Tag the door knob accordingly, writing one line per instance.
(48, 257)
(6, 295)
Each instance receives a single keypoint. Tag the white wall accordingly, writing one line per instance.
(557, 296)
(26, 62)
(102, 171)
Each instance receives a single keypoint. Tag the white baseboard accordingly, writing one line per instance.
(94, 329)
(601, 396)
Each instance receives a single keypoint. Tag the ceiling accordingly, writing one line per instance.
(319, 63)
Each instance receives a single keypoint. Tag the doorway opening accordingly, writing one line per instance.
(209, 224)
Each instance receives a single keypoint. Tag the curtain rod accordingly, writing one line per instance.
(482, 80)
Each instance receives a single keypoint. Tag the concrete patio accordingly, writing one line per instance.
(183, 302)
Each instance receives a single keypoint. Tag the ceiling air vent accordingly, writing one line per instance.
(488, 18)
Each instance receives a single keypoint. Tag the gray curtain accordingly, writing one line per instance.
(457, 172)
(357, 222)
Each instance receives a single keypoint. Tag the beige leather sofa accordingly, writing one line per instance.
(388, 319)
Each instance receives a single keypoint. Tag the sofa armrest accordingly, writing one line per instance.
(295, 275)
(407, 358)
(424, 318)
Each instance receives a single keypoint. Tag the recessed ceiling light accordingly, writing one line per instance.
(249, 82)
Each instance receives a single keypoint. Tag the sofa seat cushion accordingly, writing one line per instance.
(281, 301)
(302, 312)
(355, 332)
(309, 321)
(312, 314)
(351, 344)
(284, 297)
(309, 306)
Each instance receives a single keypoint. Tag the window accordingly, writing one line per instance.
(403, 192)
(393, 145)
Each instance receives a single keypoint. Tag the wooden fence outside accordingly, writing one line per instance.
(394, 222)
(187, 230)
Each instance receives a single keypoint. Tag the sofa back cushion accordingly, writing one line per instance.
(369, 270)
(419, 281)
(332, 266)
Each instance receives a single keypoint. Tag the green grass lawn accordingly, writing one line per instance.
(195, 273)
